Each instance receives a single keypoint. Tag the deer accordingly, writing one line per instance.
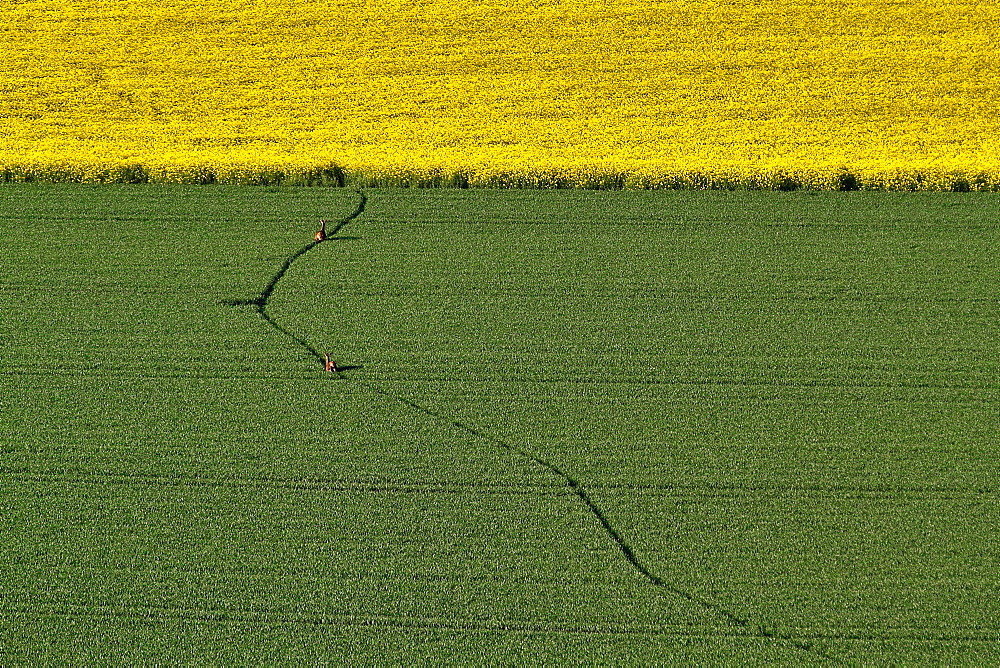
(321, 235)
(331, 366)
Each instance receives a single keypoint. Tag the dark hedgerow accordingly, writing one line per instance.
(961, 185)
(787, 184)
(334, 176)
(847, 181)
(130, 174)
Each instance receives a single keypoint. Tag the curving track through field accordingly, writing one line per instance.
(752, 627)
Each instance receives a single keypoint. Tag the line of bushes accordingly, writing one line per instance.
(596, 179)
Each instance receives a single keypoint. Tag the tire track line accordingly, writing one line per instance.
(278, 618)
(750, 628)
(662, 490)
(136, 480)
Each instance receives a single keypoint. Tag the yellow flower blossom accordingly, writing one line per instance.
(614, 93)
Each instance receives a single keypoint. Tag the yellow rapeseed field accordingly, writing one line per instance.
(646, 93)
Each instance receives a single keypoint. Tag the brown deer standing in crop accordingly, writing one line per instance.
(331, 366)
(321, 235)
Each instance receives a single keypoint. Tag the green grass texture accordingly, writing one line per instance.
(583, 427)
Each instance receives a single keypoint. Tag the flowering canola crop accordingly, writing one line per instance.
(612, 93)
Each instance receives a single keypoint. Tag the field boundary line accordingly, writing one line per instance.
(752, 629)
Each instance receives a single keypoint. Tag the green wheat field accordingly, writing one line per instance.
(783, 410)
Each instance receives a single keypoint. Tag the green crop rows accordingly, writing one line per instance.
(785, 405)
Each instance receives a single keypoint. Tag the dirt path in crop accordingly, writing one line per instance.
(751, 627)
